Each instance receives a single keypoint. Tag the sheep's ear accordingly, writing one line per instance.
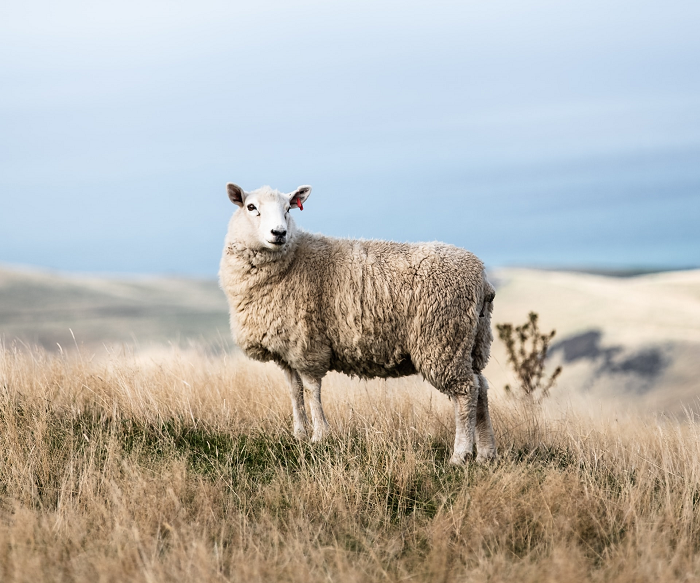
(235, 193)
(299, 196)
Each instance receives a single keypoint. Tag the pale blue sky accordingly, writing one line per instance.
(537, 133)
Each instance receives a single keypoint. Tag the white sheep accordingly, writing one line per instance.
(313, 303)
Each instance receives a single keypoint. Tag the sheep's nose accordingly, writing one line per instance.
(280, 233)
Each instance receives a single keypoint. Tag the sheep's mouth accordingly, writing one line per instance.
(277, 242)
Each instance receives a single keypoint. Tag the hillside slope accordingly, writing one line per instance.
(616, 337)
(42, 308)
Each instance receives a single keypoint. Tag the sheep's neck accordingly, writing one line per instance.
(254, 261)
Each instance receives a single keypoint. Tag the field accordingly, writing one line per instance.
(181, 466)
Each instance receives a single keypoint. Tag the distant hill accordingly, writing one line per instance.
(42, 308)
(635, 339)
(616, 337)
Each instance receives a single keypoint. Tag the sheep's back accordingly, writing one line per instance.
(383, 303)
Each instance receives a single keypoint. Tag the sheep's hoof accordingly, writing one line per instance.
(321, 431)
(459, 460)
(300, 433)
(319, 436)
(486, 458)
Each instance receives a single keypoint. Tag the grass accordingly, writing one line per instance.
(182, 467)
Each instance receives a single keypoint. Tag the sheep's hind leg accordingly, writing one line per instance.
(485, 439)
(296, 389)
(465, 402)
(321, 427)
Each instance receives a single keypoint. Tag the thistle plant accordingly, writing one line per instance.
(527, 351)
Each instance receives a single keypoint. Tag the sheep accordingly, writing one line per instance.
(368, 308)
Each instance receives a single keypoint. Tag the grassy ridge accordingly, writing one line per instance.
(184, 468)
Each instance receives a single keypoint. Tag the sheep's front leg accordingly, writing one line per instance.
(296, 389)
(321, 427)
(465, 403)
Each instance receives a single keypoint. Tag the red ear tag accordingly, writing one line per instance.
(301, 208)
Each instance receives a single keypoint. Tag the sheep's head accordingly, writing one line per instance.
(263, 221)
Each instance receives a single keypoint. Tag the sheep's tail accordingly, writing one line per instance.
(484, 337)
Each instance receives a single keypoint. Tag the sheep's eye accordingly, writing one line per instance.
(251, 207)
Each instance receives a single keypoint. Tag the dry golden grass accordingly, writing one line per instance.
(182, 467)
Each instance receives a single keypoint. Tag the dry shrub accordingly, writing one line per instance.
(182, 467)
(527, 349)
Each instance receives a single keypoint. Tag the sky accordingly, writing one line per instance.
(537, 133)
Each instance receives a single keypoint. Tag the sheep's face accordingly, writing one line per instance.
(263, 221)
